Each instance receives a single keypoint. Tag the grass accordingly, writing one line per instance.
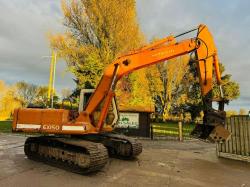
(172, 129)
(5, 126)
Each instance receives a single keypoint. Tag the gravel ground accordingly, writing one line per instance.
(162, 163)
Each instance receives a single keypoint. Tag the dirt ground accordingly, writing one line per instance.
(162, 163)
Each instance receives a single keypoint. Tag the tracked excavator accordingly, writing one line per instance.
(83, 141)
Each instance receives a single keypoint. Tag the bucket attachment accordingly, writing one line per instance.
(213, 128)
(219, 134)
(211, 133)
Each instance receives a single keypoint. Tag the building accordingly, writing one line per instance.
(134, 121)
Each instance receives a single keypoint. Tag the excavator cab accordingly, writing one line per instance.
(112, 115)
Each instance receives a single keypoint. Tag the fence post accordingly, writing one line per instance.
(180, 131)
(151, 132)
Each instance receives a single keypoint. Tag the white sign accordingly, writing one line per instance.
(128, 120)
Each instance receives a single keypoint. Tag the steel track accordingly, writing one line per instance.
(74, 155)
(119, 146)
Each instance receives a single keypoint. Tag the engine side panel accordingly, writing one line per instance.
(48, 121)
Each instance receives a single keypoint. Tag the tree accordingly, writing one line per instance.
(133, 91)
(231, 113)
(97, 32)
(231, 89)
(164, 81)
(243, 111)
(42, 96)
(190, 86)
(21, 95)
(8, 101)
(26, 93)
(3, 88)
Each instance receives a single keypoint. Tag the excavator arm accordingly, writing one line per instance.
(168, 48)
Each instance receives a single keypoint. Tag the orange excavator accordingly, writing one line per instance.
(83, 141)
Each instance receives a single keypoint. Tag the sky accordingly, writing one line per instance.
(24, 25)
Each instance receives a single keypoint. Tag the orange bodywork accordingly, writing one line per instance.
(49, 121)
(56, 121)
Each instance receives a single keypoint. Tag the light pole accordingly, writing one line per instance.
(52, 76)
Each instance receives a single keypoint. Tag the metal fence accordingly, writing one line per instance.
(238, 146)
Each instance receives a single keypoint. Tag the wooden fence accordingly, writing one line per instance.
(171, 131)
(238, 146)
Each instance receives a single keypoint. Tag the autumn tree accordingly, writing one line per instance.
(164, 81)
(3, 88)
(97, 32)
(33, 95)
(41, 96)
(22, 94)
(8, 101)
(133, 91)
(243, 111)
(190, 87)
(231, 113)
(26, 93)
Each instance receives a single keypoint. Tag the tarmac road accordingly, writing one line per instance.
(162, 163)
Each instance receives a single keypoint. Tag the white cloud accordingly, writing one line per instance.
(23, 41)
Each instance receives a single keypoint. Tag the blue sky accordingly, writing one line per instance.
(25, 23)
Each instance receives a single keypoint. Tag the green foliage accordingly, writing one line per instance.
(231, 89)
(22, 94)
(41, 96)
(164, 83)
(190, 86)
(5, 126)
(97, 32)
